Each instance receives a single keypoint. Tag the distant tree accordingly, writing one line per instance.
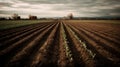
(2, 18)
(32, 17)
(70, 16)
(16, 16)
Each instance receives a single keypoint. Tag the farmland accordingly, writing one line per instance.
(7, 24)
(61, 43)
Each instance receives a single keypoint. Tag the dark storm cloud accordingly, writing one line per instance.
(91, 8)
(47, 1)
(5, 4)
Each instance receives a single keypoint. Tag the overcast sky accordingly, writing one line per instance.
(60, 8)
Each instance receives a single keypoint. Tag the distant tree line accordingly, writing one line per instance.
(68, 17)
(3, 18)
(98, 18)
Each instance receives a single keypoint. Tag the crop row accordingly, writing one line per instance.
(60, 44)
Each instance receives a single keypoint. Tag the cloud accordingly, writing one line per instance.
(55, 8)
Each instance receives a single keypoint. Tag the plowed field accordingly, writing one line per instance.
(61, 44)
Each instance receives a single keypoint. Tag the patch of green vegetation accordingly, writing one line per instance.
(6, 24)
